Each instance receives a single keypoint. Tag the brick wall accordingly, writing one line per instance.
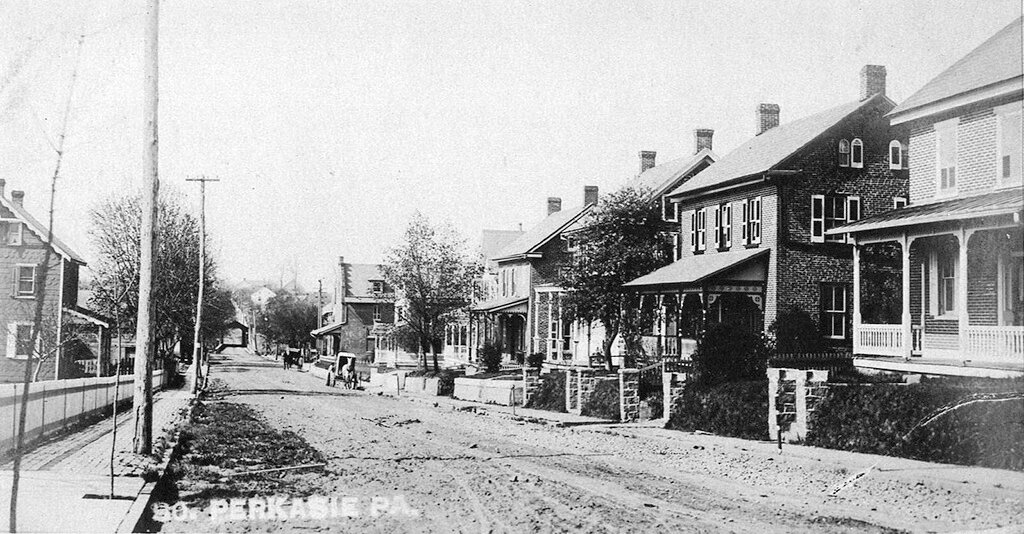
(976, 168)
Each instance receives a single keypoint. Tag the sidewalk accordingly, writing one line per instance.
(57, 476)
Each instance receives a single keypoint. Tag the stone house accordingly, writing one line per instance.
(73, 341)
(957, 248)
(754, 224)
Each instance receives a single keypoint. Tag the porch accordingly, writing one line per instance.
(941, 298)
(499, 322)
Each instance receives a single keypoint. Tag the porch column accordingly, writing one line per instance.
(908, 339)
(856, 295)
(961, 291)
(661, 325)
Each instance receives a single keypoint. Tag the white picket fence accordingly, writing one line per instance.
(57, 404)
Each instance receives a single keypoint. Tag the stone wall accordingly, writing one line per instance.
(531, 381)
(629, 395)
(672, 385)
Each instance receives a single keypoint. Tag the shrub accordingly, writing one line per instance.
(795, 332)
(657, 405)
(550, 393)
(536, 360)
(737, 409)
(876, 418)
(604, 400)
(490, 357)
(728, 354)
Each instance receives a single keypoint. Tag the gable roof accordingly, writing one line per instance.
(763, 152)
(37, 228)
(996, 60)
(662, 177)
(540, 234)
(494, 241)
(360, 276)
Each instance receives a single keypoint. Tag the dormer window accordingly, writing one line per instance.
(895, 155)
(844, 153)
(378, 286)
(857, 154)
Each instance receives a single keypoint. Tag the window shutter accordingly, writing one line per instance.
(727, 222)
(756, 216)
(702, 229)
(718, 227)
(693, 230)
(853, 208)
(743, 223)
(817, 218)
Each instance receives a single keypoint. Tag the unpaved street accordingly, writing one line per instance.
(476, 472)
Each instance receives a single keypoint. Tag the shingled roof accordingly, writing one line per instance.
(39, 230)
(660, 178)
(996, 60)
(764, 152)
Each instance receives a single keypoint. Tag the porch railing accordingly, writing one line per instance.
(917, 334)
(1001, 343)
(879, 339)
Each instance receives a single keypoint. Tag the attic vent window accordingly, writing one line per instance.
(844, 153)
(895, 155)
(857, 154)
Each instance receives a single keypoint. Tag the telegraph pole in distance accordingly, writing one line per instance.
(197, 352)
(144, 348)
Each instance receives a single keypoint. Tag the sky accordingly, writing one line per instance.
(330, 123)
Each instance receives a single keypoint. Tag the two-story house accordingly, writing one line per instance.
(957, 261)
(754, 223)
(363, 304)
(524, 317)
(73, 341)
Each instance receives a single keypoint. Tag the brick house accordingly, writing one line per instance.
(957, 294)
(754, 224)
(363, 308)
(74, 341)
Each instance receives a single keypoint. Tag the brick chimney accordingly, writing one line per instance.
(18, 197)
(589, 194)
(554, 205)
(872, 81)
(647, 159)
(702, 139)
(767, 117)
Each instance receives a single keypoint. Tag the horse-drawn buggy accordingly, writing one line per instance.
(343, 369)
(293, 358)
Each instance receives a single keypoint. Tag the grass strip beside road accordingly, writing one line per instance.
(225, 440)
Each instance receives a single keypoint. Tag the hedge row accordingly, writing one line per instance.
(737, 409)
(885, 419)
(604, 401)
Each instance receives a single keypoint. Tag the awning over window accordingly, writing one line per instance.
(694, 270)
(503, 305)
(988, 205)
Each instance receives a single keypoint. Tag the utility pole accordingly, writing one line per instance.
(197, 352)
(143, 395)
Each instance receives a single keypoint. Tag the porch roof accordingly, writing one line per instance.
(696, 269)
(327, 329)
(502, 304)
(990, 204)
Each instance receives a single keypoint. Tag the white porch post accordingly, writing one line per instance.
(961, 291)
(908, 339)
(856, 296)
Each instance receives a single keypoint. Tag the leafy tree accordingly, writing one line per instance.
(115, 233)
(218, 310)
(435, 277)
(621, 239)
(290, 319)
(728, 354)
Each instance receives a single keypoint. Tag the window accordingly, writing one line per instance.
(718, 227)
(25, 283)
(857, 154)
(832, 211)
(512, 276)
(378, 286)
(833, 310)
(13, 232)
(702, 230)
(693, 231)
(677, 247)
(899, 202)
(19, 340)
(751, 227)
(945, 150)
(670, 210)
(1010, 141)
(946, 274)
(725, 241)
(895, 155)
(844, 153)
(377, 313)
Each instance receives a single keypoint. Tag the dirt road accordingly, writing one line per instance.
(478, 473)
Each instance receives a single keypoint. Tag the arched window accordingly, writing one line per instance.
(844, 153)
(895, 154)
(857, 154)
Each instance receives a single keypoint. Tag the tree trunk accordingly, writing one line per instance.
(433, 353)
(611, 329)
